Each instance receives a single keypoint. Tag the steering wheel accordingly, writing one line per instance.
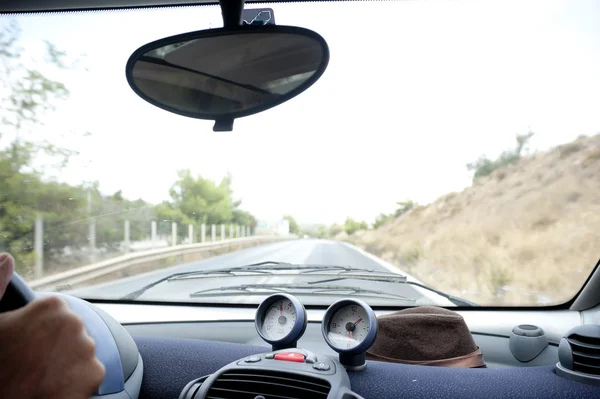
(115, 348)
(17, 294)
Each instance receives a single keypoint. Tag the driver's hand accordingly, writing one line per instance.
(45, 351)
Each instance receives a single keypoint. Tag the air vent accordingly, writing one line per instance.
(249, 384)
(579, 355)
(190, 390)
(586, 354)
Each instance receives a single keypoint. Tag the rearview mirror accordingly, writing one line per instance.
(225, 74)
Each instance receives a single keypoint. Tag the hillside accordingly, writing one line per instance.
(528, 233)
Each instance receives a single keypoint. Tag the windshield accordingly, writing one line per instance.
(449, 155)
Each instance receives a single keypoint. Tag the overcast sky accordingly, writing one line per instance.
(414, 90)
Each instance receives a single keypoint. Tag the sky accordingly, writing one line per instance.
(414, 91)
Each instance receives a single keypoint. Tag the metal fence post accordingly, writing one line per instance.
(230, 231)
(222, 232)
(91, 228)
(39, 246)
(127, 235)
(174, 233)
(191, 233)
(92, 239)
(153, 232)
(203, 233)
(213, 232)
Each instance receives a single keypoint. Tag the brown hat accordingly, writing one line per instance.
(425, 335)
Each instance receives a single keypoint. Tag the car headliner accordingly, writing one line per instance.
(21, 6)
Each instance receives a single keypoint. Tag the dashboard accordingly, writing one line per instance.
(189, 349)
(491, 330)
(282, 350)
(184, 346)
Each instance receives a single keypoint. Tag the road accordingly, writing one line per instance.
(309, 251)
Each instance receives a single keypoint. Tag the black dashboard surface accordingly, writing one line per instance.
(496, 350)
(170, 363)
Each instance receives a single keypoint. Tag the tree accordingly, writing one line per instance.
(27, 96)
(403, 207)
(243, 218)
(351, 226)
(118, 196)
(25, 191)
(201, 200)
(322, 232)
(293, 225)
(484, 166)
(381, 220)
(196, 200)
(111, 212)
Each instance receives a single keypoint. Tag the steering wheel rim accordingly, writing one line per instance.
(17, 294)
(116, 384)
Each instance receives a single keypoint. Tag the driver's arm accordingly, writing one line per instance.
(45, 351)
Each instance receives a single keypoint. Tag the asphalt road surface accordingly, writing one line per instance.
(308, 251)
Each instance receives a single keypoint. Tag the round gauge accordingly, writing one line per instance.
(281, 320)
(349, 326)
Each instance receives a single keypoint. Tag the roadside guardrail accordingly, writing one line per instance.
(93, 271)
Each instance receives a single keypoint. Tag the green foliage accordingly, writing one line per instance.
(293, 225)
(484, 166)
(313, 230)
(167, 212)
(351, 226)
(321, 232)
(64, 209)
(201, 200)
(27, 95)
(381, 220)
(110, 213)
(403, 207)
(196, 200)
(244, 218)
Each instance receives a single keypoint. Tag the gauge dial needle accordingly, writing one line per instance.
(350, 332)
(357, 321)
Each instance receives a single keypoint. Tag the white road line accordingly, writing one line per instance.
(439, 300)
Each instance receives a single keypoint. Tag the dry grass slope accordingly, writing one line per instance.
(528, 234)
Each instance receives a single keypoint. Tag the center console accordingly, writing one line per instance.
(349, 327)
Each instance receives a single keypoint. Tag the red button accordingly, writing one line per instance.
(290, 357)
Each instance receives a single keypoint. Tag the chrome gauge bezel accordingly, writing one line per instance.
(298, 328)
(366, 343)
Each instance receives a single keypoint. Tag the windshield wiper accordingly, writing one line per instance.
(269, 267)
(252, 268)
(454, 299)
(259, 289)
(260, 268)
